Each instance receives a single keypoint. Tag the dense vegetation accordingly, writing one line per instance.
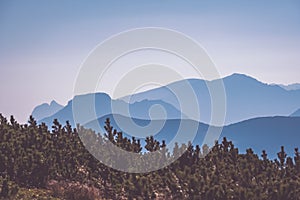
(36, 163)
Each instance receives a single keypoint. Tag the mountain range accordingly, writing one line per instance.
(246, 98)
(252, 114)
(102, 106)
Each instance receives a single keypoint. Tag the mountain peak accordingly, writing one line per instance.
(240, 76)
(53, 103)
(45, 110)
(241, 79)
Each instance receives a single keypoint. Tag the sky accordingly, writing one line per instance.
(43, 43)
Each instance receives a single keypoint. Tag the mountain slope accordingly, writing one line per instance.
(296, 113)
(267, 133)
(46, 110)
(295, 86)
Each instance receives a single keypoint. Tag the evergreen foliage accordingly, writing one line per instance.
(32, 156)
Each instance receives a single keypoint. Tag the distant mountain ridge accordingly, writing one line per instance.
(246, 98)
(249, 121)
(103, 106)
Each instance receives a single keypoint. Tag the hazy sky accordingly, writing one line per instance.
(43, 43)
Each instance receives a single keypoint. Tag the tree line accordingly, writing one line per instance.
(35, 156)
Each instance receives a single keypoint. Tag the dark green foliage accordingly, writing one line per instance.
(31, 156)
(8, 190)
(4, 190)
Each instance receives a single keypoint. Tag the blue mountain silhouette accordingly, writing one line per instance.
(246, 98)
(251, 106)
(103, 106)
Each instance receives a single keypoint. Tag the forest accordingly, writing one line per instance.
(40, 162)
